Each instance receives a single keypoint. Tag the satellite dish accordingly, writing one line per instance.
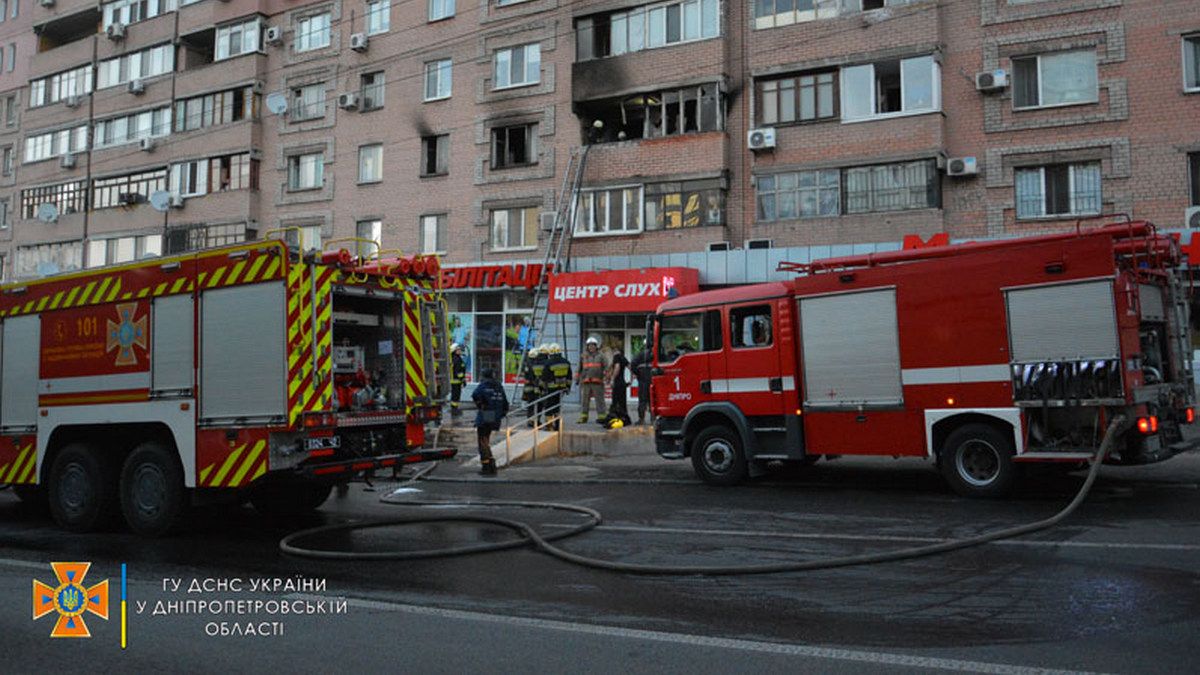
(160, 200)
(277, 103)
(47, 213)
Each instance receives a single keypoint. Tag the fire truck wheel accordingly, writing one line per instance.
(286, 498)
(977, 461)
(153, 498)
(717, 456)
(82, 488)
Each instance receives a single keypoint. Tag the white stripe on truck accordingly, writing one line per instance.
(956, 374)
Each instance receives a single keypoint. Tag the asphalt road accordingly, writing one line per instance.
(1114, 589)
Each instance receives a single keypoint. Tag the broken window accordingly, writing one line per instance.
(659, 25)
(514, 146)
(653, 115)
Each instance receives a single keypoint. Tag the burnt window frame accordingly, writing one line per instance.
(531, 143)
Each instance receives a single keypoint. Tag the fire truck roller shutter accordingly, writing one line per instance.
(851, 349)
(1062, 321)
(19, 371)
(172, 335)
(1150, 298)
(242, 341)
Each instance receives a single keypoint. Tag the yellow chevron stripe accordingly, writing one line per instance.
(160, 289)
(229, 461)
(99, 294)
(144, 292)
(42, 302)
(22, 470)
(27, 474)
(87, 292)
(28, 307)
(178, 285)
(71, 296)
(112, 295)
(262, 468)
(252, 273)
(18, 463)
(200, 279)
(191, 286)
(247, 463)
(205, 471)
(215, 279)
(127, 295)
(233, 274)
(272, 269)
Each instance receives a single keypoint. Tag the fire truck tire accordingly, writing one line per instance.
(976, 461)
(153, 497)
(82, 489)
(286, 498)
(717, 456)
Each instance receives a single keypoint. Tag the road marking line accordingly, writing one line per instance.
(885, 537)
(783, 649)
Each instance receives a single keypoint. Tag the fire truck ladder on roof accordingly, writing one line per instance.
(558, 251)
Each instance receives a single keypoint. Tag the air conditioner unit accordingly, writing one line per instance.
(176, 201)
(761, 139)
(991, 80)
(719, 246)
(962, 166)
(273, 35)
(115, 31)
(1191, 217)
(547, 219)
(348, 101)
(73, 101)
(358, 42)
(46, 3)
(147, 144)
(67, 162)
(755, 244)
(137, 87)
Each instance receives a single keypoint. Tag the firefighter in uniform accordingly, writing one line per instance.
(532, 390)
(556, 380)
(592, 367)
(458, 375)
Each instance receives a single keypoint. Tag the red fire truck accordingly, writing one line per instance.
(980, 356)
(245, 371)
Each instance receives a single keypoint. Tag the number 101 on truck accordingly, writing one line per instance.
(252, 371)
(979, 356)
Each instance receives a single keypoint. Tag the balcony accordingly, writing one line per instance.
(878, 139)
(680, 155)
(138, 36)
(62, 9)
(217, 207)
(61, 58)
(615, 76)
(199, 76)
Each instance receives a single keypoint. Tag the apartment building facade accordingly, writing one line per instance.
(724, 135)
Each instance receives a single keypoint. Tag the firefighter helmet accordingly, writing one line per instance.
(554, 348)
(455, 348)
(593, 340)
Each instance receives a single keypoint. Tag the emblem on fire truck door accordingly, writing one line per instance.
(125, 334)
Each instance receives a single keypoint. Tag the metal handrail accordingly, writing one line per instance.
(551, 419)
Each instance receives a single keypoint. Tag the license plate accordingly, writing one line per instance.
(322, 442)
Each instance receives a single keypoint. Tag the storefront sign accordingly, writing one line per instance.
(493, 276)
(621, 291)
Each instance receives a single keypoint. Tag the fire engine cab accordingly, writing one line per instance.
(981, 356)
(251, 371)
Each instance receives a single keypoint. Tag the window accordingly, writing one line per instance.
(136, 66)
(123, 249)
(180, 240)
(890, 87)
(129, 128)
(370, 163)
(1194, 176)
(893, 187)
(372, 231)
(435, 155)
(438, 83)
(518, 66)
(5, 220)
(641, 28)
(609, 211)
(514, 146)
(433, 234)
(58, 87)
(1058, 190)
(312, 32)
(656, 114)
(372, 90)
(308, 102)
(223, 107)
(379, 16)
(1191, 63)
(1065, 78)
(66, 197)
(440, 9)
(46, 259)
(6, 164)
(771, 13)
(681, 334)
(304, 237)
(306, 172)
(12, 56)
(750, 327)
(190, 179)
(686, 204)
(55, 143)
(127, 190)
(239, 38)
(133, 11)
(799, 98)
(10, 110)
(802, 194)
(514, 228)
(214, 174)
